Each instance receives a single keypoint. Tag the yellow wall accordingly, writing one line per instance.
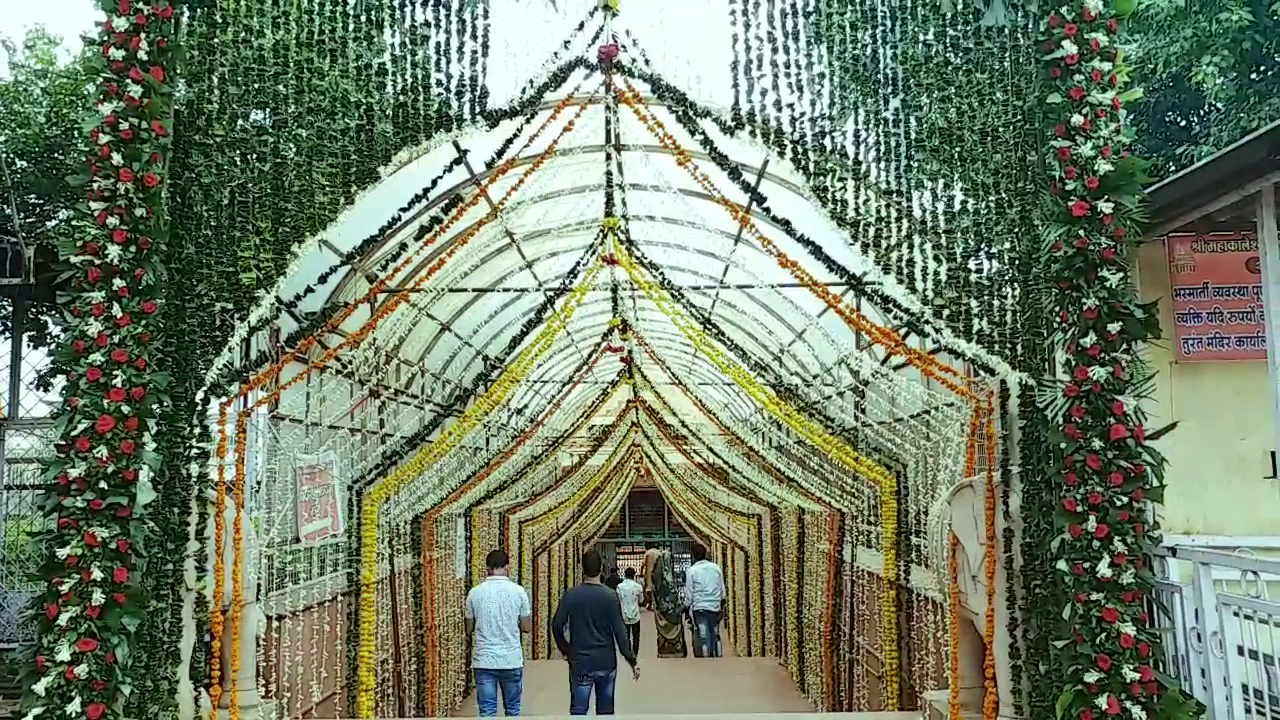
(1218, 453)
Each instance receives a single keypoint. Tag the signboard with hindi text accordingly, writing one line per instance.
(318, 503)
(1216, 282)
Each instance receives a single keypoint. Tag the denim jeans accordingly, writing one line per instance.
(487, 684)
(707, 625)
(581, 685)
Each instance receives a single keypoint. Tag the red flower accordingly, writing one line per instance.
(135, 75)
(122, 545)
(1118, 432)
(97, 504)
(1104, 662)
(51, 611)
(140, 19)
(40, 662)
(1055, 72)
(93, 274)
(1116, 479)
(1064, 153)
(140, 363)
(1113, 25)
(126, 175)
(1070, 479)
(93, 374)
(121, 575)
(82, 444)
(119, 598)
(1095, 498)
(1072, 59)
(95, 711)
(119, 236)
(1089, 16)
(128, 446)
(158, 128)
(157, 73)
(1096, 75)
(1069, 172)
(1091, 183)
(86, 645)
(1146, 674)
(1071, 390)
(1101, 531)
(110, 658)
(1054, 20)
(1070, 505)
(137, 393)
(1081, 372)
(1126, 641)
(1143, 649)
(120, 355)
(1113, 705)
(1110, 615)
(70, 674)
(77, 345)
(1077, 93)
(1139, 433)
(91, 540)
(165, 12)
(102, 340)
(124, 511)
(1071, 29)
(1061, 131)
(93, 611)
(1080, 208)
(131, 423)
(116, 394)
(1075, 530)
(124, 320)
(98, 309)
(150, 180)
(130, 474)
(1093, 461)
(149, 307)
(1105, 151)
(1091, 313)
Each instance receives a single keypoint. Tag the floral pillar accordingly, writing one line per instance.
(243, 691)
(85, 661)
(1106, 473)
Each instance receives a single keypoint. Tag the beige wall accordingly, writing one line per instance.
(1218, 453)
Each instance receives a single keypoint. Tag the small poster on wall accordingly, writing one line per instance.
(318, 503)
(1216, 282)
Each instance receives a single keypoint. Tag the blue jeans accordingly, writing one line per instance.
(581, 685)
(707, 625)
(487, 684)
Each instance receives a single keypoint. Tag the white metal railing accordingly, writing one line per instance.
(1221, 615)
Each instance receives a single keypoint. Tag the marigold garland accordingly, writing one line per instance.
(427, 456)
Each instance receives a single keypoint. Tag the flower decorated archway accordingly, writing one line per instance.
(806, 317)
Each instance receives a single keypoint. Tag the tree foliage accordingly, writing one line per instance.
(43, 104)
(1211, 72)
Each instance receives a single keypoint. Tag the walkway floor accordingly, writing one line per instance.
(683, 686)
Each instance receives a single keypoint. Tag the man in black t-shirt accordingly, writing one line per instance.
(596, 634)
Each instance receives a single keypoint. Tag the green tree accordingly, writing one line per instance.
(1211, 72)
(43, 104)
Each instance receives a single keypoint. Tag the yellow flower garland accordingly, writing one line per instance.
(815, 434)
(366, 671)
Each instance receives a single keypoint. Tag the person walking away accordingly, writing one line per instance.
(650, 557)
(668, 609)
(630, 593)
(592, 617)
(613, 581)
(497, 613)
(704, 583)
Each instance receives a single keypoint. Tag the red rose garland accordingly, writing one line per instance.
(100, 480)
(1108, 473)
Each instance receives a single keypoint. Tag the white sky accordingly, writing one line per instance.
(67, 18)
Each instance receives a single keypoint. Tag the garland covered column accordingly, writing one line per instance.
(87, 662)
(1107, 476)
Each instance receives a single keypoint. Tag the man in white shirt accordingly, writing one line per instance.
(497, 612)
(630, 594)
(704, 586)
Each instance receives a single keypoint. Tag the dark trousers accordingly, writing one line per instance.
(633, 632)
(581, 685)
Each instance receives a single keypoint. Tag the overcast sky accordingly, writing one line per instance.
(68, 18)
